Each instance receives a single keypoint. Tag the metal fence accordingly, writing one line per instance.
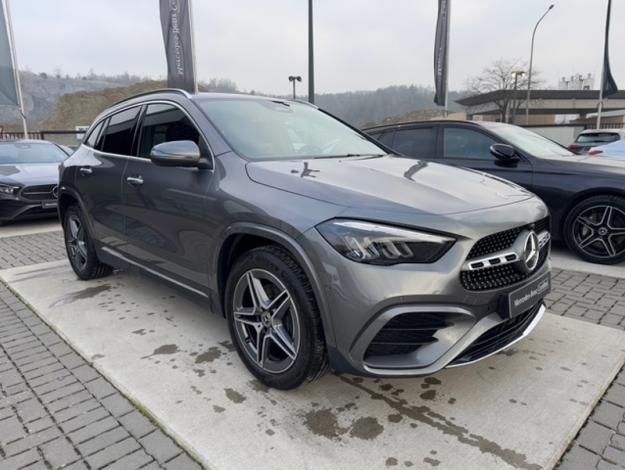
(607, 125)
(69, 138)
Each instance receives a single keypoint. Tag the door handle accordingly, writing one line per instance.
(135, 180)
(85, 171)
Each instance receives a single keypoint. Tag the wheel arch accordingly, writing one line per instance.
(581, 196)
(66, 199)
(242, 237)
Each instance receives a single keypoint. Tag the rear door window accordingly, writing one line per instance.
(419, 142)
(119, 132)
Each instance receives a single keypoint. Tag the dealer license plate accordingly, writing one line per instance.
(527, 296)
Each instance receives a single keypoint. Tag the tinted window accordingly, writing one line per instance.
(466, 143)
(23, 152)
(165, 123)
(93, 137)
(419, 143)
(119, 132)
(385, 137)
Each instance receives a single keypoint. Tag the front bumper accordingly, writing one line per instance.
(29, 201)
(20, 209)
(360, 300)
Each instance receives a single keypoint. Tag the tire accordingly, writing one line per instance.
(282, 315)
(595, 229)
(79, 246)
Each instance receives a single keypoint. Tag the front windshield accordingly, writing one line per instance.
(530, 142)
(262, 129)
(26, 152)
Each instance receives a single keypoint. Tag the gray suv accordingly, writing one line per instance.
(319, 247)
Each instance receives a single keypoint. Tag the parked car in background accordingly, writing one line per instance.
(317, 246)
(67, 149)
(595, 137)
(29, 179)
(585, 195)
(615, 149)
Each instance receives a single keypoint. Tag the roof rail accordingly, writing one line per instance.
(159, 90)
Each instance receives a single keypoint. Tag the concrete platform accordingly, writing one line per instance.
(166, 352)
(562, 258)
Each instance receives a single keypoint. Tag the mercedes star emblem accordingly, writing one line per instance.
(530, 251)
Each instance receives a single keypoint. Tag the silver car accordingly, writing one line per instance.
(319, 247)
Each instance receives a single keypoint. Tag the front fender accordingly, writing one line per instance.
(295, 249)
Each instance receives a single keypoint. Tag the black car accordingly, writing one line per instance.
(585, 194)
(29, 179)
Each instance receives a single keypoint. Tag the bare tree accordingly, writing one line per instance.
(500, 76)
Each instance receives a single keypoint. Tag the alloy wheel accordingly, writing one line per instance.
(266, 321)
(600, 231)
(76, 241)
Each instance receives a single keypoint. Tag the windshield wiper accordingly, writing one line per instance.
(349, 155)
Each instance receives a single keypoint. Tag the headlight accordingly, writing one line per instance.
(9, 190)
(368, 242)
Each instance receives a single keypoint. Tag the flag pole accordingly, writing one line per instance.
(16, 71)
(447, 60)
(311, 55)
(600, 106)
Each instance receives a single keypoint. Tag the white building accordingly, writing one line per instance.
(577, 82)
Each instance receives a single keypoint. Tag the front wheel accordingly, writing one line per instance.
(595, 229)
(79, 246)
(273, 319)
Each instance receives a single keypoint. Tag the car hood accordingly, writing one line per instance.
(590, 164)
(388, 183)
(29, 173)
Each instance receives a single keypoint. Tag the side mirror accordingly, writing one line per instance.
(176, 153)
(504, 152)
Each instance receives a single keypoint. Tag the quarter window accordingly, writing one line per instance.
(120, 131)
(385, 137)
(466, 143)
(420, 142)
(165, 123)
(93, 137)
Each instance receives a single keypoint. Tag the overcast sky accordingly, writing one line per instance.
(359, 44)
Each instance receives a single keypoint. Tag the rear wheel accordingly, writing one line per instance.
(595, 229)
(273, 319)
(79, 246)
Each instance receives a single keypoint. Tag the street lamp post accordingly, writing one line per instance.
(529, 73)
(293, 79)
(311, 55)
(516, 74)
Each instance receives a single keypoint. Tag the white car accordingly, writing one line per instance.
(615, 149)
(594, 138)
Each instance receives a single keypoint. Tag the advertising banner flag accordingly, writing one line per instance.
(176, 22)
(608, 85)
(8, 84)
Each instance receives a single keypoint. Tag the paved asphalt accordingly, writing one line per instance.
(56, 411)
